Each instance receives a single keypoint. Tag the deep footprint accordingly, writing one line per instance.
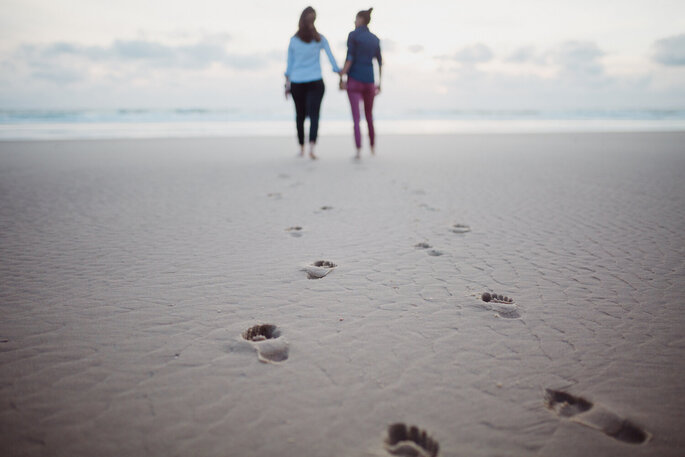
(410, 442)
(427, 207)
(295, 231)
(435, 253)
(261, 332)
(495, 298)
(460, 228)
(580, 410)
(422, 246)
(503, 306)
(324, 264)
(319, 269)
(266, 338)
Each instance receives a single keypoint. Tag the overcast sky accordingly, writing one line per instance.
(487, 54)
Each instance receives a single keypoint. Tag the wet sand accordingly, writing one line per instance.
(132, 274)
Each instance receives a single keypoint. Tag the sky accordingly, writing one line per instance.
(438, 55)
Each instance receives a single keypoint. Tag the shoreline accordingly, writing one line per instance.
(338, 136)
(241, 129)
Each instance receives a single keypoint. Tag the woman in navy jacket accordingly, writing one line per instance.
(362, 47)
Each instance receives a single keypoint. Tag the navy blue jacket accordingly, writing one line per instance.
(362, 47)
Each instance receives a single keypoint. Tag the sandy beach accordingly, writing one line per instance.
(131, 269)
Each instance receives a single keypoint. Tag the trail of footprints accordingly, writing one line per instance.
(598, 417)
(410, 441)
(295, 231)
(267, 340)
(500, 304)
(429, 251)
(319, 269)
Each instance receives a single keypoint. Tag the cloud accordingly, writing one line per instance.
(387, 45)
(60, 76)
(670, 51)
(476, 53)
(570, 73)
(198, 55)
(522, 55)
(572, 59)
(577, 60)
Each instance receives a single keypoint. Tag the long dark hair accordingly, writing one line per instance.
(306, 30)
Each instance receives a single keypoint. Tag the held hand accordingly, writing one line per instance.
(343, 85)
(378, 89)
(287, 91)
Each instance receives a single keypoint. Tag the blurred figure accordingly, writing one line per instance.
(303, 76)
(362, 47)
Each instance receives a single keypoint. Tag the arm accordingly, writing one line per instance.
(334, 64)
(344, 71)
(351, 51)
(379, 59)
(351, 48)
(291, 59)
(378, 86)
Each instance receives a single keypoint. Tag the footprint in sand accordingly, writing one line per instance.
(275, 195)
(495, 298)
(410, 442)
(319, 269)
(295, 231)
(460, 228)
(435, 253)
(326, 208)
(427, 207)
(598, 417)
(266, 338)
(422, 246)
(502, 305)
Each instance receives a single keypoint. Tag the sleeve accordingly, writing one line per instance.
(291, 59)
(351, 48)
(334, 64)
(378, 54)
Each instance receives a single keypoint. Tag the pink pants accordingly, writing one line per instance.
(356, 91)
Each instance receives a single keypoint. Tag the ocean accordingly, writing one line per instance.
(192, 122)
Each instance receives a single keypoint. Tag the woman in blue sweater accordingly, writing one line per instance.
(303, 76)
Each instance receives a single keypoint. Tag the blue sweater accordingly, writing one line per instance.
(303, 60)
(362, 47)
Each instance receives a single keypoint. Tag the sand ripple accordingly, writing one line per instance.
(130, 269)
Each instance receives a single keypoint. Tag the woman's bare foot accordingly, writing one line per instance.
(359, 154)
(311, 151)
(302, 150)
(373, 150)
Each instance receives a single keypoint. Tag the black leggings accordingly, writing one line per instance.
(307, 97)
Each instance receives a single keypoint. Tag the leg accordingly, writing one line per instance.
(355, 97)
(314, 97)
(297, 90)
(369, 94)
